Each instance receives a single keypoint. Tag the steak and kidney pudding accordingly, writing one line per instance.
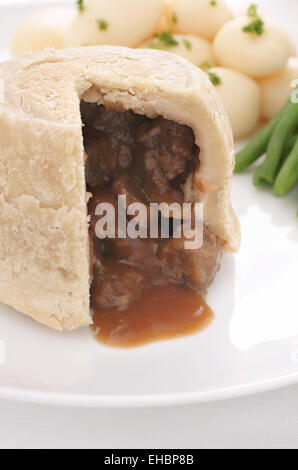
(143, 289)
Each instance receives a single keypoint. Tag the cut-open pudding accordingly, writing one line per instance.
(83, 126)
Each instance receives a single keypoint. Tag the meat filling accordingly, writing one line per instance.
(147, 160)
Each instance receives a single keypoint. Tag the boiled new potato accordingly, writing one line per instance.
(192, 48)
(201, 17)
(257, 55)
(45, 28)
(107, 22)
(292, 51)
(241, 99)
(276, 90)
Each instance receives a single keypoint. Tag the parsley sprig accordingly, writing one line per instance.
(102, 24)
(252, 10)
(256, 26)
(174, 18)
(205, 65)
(80, 5)
(187, 44)
(162, 41)
(214, 78)
(167, 39)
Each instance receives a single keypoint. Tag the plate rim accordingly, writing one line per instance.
(147, 401)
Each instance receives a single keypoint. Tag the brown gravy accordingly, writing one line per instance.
(163, 312)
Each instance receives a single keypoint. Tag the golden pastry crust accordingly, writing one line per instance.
(44, 257)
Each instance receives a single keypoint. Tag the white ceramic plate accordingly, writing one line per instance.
(251, 346)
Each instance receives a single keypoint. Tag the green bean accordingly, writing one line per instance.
(258, 145)
(288, 175)
(268, 170)
(257, 178)
(288, 147)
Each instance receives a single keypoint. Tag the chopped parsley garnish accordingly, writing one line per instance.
(102, 24)
(205, 65)
(174, 18)
(213, 3)
(155, 44)
(215, 79)
(80, 5)
(187, 43)
(252, 10)
(167, 38)
(257, 24)
(163, 41)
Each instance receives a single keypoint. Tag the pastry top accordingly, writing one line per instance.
(44, 254)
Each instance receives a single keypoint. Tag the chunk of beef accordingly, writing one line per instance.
(109, 140)
(197, 267)
(106, 158)
(122, 186)
(158, 181)
(98, 197)
(119, 287)
(120, 124)
(169, 151)
(98, 247)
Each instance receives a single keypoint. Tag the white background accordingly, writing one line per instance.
(264, 421)
(269, 420)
